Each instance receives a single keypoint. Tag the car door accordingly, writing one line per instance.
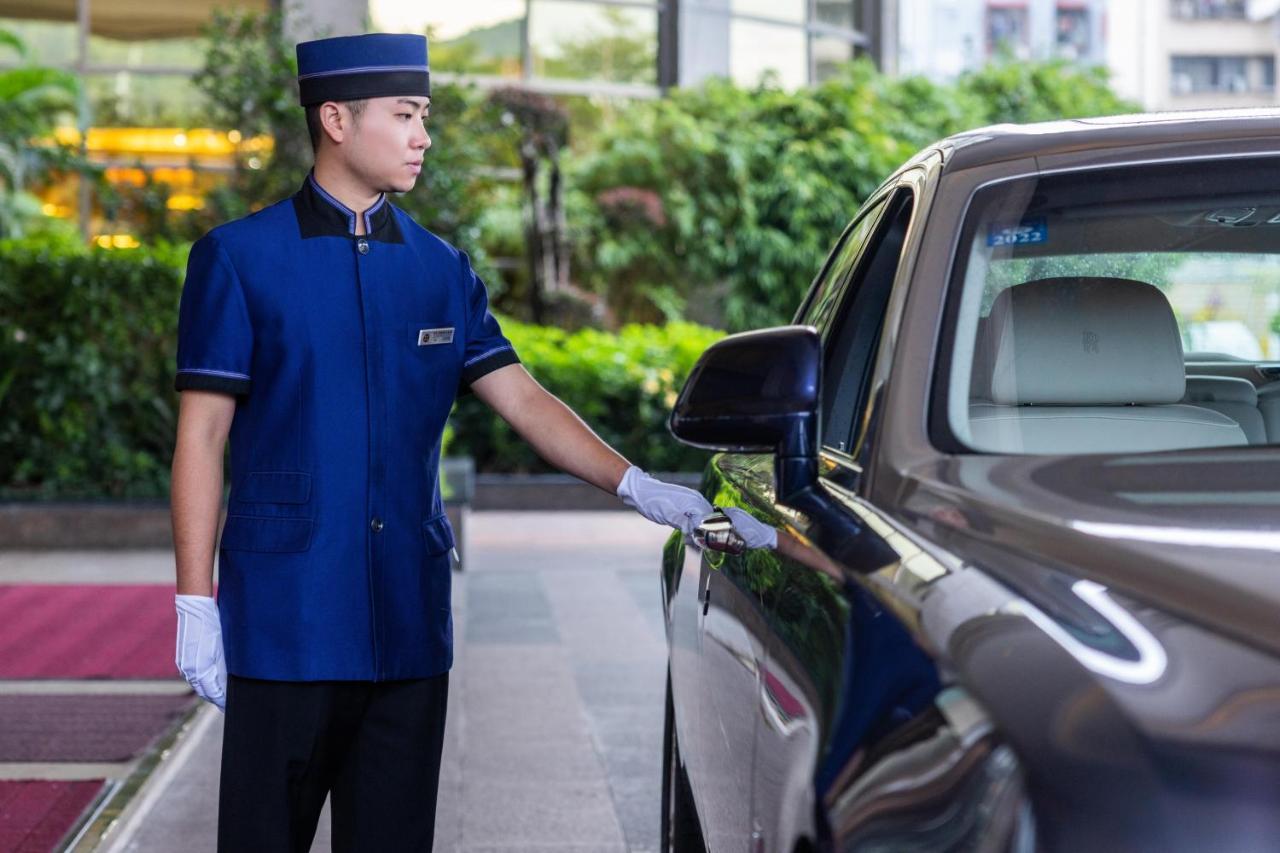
(805, 617)
(732, 625)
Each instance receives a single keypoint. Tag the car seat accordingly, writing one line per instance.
(1089, 364)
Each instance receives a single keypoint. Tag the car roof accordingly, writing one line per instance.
(999, 142)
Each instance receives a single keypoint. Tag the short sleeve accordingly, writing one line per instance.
(487, 348)
(215, 336)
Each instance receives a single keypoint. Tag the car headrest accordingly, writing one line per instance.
(1221, 389)
(1085, 341)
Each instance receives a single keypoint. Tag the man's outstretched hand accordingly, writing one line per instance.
(664, 503)
(199, 648)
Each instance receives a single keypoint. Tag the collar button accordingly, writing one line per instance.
(362, 245)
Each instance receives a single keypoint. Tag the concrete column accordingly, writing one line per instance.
(311, 19)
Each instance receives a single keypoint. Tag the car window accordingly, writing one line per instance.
(1078, 299)
(855, 325)
(826, 291)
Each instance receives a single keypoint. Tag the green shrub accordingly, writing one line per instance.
(720, 202)
(88, 344)
(87, 341)
(623, 385)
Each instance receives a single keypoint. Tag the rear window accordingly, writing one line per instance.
(1082, 297)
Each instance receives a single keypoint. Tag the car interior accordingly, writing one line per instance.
(1074, 350)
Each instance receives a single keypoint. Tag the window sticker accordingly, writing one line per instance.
(1025, 233)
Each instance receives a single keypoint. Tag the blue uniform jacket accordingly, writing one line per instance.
(345, 355)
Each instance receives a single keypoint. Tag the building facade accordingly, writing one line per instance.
(640, 47)
(1191, 54)
(142, 118)
(941, 39)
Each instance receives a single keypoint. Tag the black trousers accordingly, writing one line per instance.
(373, 747)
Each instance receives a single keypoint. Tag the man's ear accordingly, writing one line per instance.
(335, 121)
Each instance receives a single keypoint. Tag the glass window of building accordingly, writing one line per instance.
(797, 41)
(1008, 28)
(756, 48)
(829, 53)
(1231, 74)
(168, 53)
(837, 13)
(1073, 36)
(777, 10)
(128, 99)
(467, 38)
(571, 40)
(1231, 9)
(47, 42)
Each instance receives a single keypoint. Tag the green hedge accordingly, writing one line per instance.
(87, 355)
(86, 369)
(623, 385)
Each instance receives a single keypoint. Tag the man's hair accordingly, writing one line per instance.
(313, 119)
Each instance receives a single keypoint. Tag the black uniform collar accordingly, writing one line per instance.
(322, 215)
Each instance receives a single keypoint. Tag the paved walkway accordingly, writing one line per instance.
(553, 740)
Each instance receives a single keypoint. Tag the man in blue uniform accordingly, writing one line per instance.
(327, 336)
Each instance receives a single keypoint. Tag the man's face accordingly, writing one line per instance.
(388, 141)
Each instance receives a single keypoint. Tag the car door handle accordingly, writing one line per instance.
(716, 533)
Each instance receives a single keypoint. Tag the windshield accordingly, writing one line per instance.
(1085, 296)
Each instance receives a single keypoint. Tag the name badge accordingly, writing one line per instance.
(435, 336)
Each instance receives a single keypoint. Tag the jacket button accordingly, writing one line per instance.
(376, 524)
(363, 246)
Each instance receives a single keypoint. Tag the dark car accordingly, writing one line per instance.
(1026, 594)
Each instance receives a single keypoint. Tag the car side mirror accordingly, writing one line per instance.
(758, 392)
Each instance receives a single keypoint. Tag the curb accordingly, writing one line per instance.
(111, 525)
(135, 812)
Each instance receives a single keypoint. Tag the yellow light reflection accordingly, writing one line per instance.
(116, 241)
(185, 201)
(198, 141)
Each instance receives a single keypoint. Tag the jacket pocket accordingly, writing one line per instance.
(256, 533)
(282, 487)
(437, 534)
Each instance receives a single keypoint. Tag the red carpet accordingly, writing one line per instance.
(35, 815)
(83, 728)
(83, 631)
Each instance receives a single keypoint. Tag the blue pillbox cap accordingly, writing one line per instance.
(373, 65)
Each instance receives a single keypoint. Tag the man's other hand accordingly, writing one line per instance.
(199, 648)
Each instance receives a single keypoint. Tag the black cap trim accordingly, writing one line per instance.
(360, 85)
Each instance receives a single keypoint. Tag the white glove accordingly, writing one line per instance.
(199, 648)
(664, 503)
(755, 533)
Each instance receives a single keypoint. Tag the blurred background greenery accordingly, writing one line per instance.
(618, 237)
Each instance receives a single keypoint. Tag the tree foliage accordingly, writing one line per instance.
(33, 100)
(249, 80)
(87, 342)
(622, 384)
(735, 195)
(1041, 91)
